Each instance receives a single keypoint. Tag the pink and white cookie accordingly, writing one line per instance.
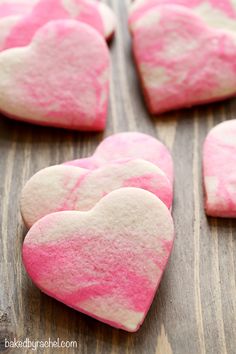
(61, 187)
(219, 170)
(129, 145)
(215, 13)
(55, 81)
(181, 61)
(106, 262)
(21, 32)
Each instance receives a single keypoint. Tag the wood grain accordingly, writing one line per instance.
(194, 311)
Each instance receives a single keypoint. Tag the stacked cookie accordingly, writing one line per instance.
(101, 229)
(185, 51)
(55, 63)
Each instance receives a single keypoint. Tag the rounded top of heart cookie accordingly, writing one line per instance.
(63, 187)
(129, 145)
(106, 262)
(21, 32)
(218, 14)
(136, 145)
(55, 80)
(224, 132)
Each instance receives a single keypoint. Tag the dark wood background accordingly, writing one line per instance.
(195, 309)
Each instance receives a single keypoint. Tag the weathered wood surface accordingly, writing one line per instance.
(195, 309)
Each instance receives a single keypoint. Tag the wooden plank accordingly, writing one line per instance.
(195, 309)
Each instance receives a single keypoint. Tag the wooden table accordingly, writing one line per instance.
(195, 309)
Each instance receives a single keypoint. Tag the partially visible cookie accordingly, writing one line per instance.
(219, 170)
(181, 61)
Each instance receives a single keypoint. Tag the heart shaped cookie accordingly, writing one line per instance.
(182, 61)
(219, 169)
(129, 145)
(62, 187)
(217, 13)
(20, 32)
(107, 262)
(55, 81)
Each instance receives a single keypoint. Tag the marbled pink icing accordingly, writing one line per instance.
(181, 61)
(219, 169)
(15, 8)
(55, 80)
(47, 10)
(106, 263)
(129, 145)
(227, 7)
(62, 187)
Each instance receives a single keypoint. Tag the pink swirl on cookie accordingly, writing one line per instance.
(181, 61)
(107, 262)
(11, 11)
(62, 187)
(55, 81)
(219, 170)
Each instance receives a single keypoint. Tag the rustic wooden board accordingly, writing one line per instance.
(195, 309)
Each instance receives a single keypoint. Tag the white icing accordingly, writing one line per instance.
(109, 19)
(211, 185)
(215, 17)
(147, 21)
(154, 77)
(72, 7)
(106, 306)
